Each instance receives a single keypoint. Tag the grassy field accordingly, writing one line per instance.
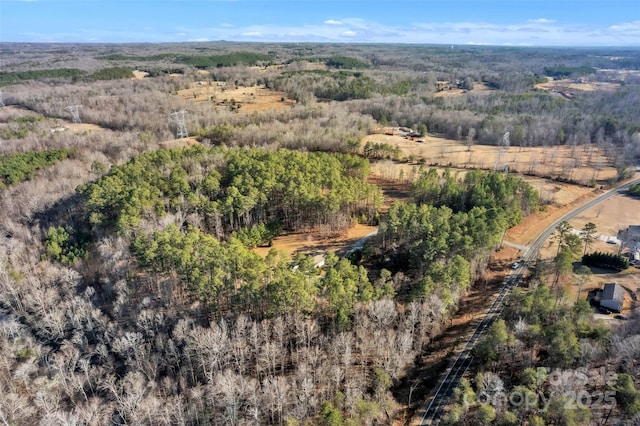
(246, 99)
(580, 164)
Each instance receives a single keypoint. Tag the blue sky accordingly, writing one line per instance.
(494, 22)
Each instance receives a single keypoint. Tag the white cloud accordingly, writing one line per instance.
(332, 22)
(349, 33)
(251, 34)
(627, 27)
(541, 21)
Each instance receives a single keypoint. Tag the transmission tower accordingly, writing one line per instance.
(181, 127)
(504, 147)
(75, 113)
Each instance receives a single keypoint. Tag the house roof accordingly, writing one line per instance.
(613, 292)
(633, 231)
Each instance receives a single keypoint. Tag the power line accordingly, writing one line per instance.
(181, 127)
(504, 147)
(75, 113)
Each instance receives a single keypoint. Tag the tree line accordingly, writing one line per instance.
(111, 73)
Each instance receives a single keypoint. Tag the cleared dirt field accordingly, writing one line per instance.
(557, 194)
(241, 99)
(11, 113)
(448, 91)
(311, 243)
(572, 85)
(580, 164)
(179, 143)
(294, 66)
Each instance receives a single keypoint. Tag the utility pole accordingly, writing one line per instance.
(181, 127)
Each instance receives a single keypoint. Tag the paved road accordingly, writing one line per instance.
(455, 372)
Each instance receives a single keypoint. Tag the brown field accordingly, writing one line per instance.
(580, 164)
(552, 192)
(448, 92)
(312, 243)
(179, 143)
(297, 66)
(571, 85)
(11, 112)
(249, 99)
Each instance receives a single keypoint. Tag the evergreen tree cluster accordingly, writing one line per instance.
(345, 62)
(13, 77)
(18, 167)
(231, 189)
(198, 61)
(508, 196)
(113, 73)
(224, 60)
(606, 260)
(453, 222)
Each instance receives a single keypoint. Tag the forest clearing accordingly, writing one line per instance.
(244, 99)
(580, 163)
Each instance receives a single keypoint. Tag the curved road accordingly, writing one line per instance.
(455, 372)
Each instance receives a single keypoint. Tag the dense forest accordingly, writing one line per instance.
(130, 288)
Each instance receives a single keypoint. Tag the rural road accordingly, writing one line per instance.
(358, 245)
(456, 371)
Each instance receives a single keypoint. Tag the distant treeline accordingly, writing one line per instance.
(15, 77)
(338, 62)
(157, 72)
(336, 85)
(345, 62)
(198, 61)
(121, 57)
(8, 78)
(113, 73)
(565, 71)
(226, 60)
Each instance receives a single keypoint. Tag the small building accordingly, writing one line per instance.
(632, 235)
(612, 297)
